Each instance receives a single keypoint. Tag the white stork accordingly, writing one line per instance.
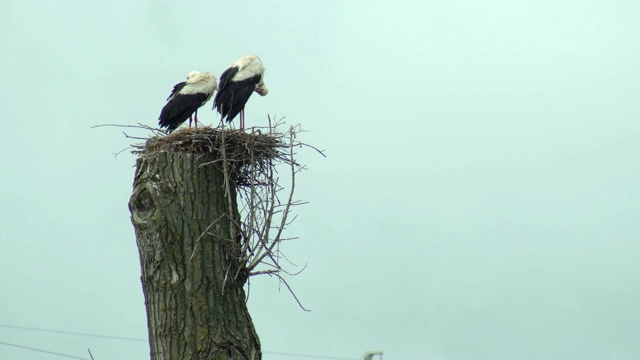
(237, 83)
(185, 99)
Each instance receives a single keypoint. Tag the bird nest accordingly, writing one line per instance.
(246, 153)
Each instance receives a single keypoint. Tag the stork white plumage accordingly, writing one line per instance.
(237, 83)
(185, 99)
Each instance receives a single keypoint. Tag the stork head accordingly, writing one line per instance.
(261, 89)
(193, 74)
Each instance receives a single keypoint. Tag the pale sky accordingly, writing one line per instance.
(479, 200)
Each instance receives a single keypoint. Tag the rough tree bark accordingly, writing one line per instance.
(195, 304)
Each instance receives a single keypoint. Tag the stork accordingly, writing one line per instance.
(237, 83)
(185, 99)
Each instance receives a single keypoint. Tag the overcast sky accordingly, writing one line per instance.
(480, 198)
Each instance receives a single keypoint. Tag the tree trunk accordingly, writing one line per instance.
(195, 301)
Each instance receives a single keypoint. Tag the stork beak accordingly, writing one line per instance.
(262, 91)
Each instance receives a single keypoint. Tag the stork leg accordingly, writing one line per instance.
(196, 118)
(190, 118)
(242, 119)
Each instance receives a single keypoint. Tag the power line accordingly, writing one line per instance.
(145, 340)
(79, 358)
(72, 333)
(308, 356)
(42, 351)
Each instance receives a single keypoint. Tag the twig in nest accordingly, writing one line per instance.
(244, 153)
(155, 131)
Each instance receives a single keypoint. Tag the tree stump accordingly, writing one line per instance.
(195, 301)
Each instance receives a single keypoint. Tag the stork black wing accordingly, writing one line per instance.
(232, 96)
(178, 110)
(226, 77)
(177, 87)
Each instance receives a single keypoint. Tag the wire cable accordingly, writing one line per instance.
(42, 351)
(145, 340)
(72, 333)
(308, 356)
